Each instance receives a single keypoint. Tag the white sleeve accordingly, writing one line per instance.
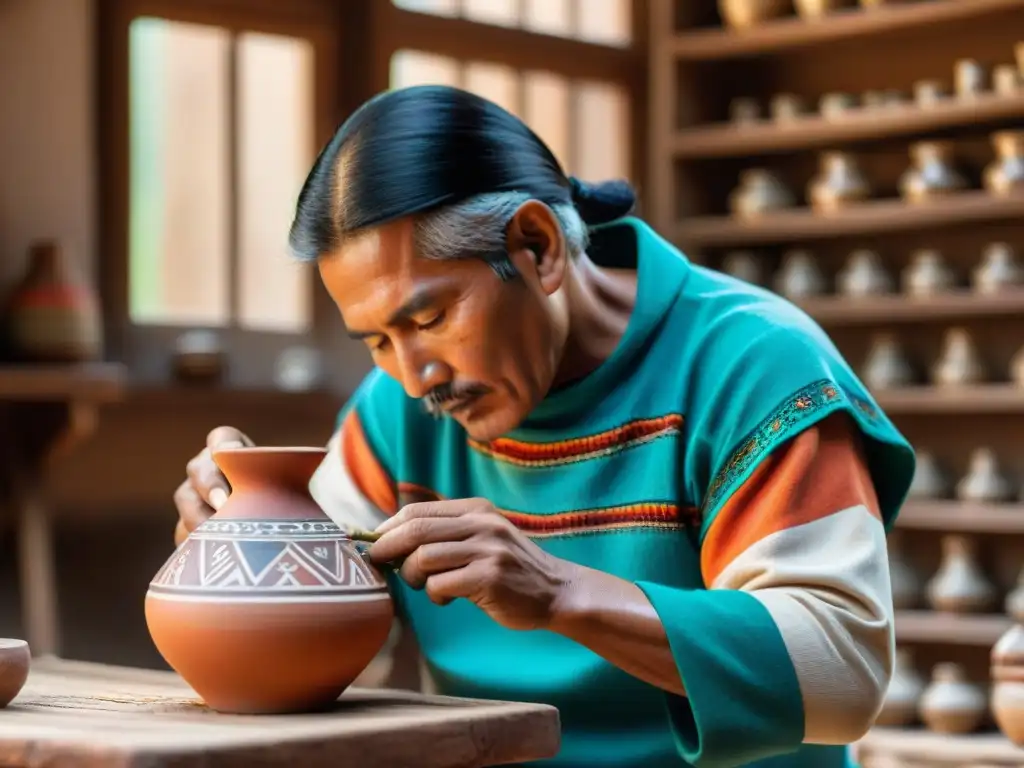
(338, 495)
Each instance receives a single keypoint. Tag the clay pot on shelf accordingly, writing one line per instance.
(998, 269)
(800, 277)
(839, 183)
(744, 265)
(985, 481)
(907, 586)
(268, 606)
(53, 316)
(864, 275)
(959, 362)
(744, 111)
(744, 14)
(1007, 80)
(930, 480)
(886, 365)
(759, 192)
(1007, 672)
(833, 106)
(927, 274)
(928, 93)
(1014, 602)
(970, 78)
(1017, 368)
(787, 106)
(951, 703)
(960, 586)
(1005, 176)
(15, 660)
(905, 690)
(815, 9)
(198, 357)
(931, 173)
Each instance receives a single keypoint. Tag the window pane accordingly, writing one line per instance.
(275, 152)
(435, 7)
(179, 186)
(604, 21)
(415, 68)
(494, 82)
(501, 12)
(602, 132)
(552, 17)
(546, 107)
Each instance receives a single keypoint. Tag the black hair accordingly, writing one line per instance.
(411, 150)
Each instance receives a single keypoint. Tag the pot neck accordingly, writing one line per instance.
(280, 469)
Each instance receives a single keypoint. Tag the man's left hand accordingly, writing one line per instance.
(466, 548)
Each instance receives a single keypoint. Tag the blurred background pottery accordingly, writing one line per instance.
(268, 606)
(15, 660)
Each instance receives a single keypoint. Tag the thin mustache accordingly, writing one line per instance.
(435, 400)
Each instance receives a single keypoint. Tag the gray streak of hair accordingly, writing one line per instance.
(477, 227)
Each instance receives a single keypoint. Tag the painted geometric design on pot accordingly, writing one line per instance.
(255, 560)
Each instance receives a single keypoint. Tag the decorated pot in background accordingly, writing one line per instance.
(52, 315)
(1007, 672)
(268, 606)
(743, 14)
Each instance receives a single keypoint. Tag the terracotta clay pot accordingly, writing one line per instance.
(268, 606)
(15, 660)
(1007, 672)
(53, 316)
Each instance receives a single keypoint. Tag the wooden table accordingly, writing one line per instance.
(44, 411)
(80, 715)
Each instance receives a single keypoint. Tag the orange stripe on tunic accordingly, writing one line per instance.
(818, 473)
(367, 473)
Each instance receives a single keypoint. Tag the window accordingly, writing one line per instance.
(607, 22)
(562, 110)
(221, 136)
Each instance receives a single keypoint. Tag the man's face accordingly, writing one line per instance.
(490, 348)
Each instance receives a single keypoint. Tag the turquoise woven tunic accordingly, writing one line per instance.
(696, 463)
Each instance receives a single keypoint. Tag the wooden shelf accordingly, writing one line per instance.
(795, 32)
(900, 308)
(960, 629)
(959, 516)
(96, 382)
(986, 398)
(869, 218)
(919, 744)
(814, 131)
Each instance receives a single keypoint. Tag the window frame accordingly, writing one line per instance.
(354, 41)
(147, 348)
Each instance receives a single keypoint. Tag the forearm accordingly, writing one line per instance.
(613, 618)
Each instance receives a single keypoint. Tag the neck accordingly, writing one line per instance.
(600, 302)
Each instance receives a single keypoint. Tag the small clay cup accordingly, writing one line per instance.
(15, 660)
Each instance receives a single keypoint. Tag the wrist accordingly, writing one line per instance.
(571, 604)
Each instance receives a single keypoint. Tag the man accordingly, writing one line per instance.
(628, 486)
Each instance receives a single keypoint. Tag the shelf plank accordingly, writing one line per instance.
(959, 629)
(986, 398)
(95, 382)
(901, 308)
(815, 131)
(795, 32)
(868, 218)
(947, 515)
(943, 748)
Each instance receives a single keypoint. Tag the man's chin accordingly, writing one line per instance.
(487, 426)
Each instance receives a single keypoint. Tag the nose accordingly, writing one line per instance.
(420, 374)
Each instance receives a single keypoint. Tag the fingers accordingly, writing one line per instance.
(436, 558)
(403, 540)
(446, 508)
(227, 437)
(444, 587)
(192, 510)
(207, 480)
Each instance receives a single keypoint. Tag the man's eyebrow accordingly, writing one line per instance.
(423, 298)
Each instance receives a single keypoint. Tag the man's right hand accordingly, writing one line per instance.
(205, 488)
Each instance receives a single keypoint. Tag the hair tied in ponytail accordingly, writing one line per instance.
(601, 203)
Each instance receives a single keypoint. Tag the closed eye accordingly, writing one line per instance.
(432, 323)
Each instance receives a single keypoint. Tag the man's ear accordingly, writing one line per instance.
(536, 245)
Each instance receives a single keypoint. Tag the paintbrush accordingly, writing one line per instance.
(358, 534)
